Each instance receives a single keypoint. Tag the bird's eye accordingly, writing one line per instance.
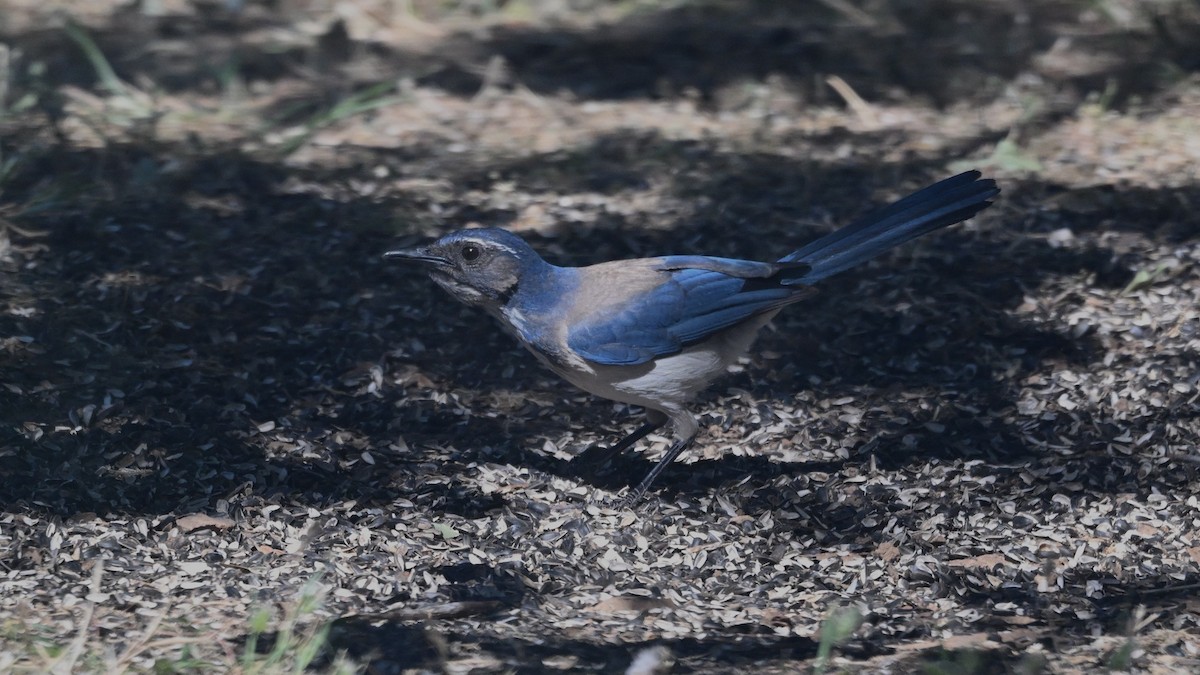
(470, 252)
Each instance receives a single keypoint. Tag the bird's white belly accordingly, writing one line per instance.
(674, 378)
(670, 380)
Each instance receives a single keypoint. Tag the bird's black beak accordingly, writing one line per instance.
(419, 255)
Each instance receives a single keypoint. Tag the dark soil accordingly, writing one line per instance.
(984, 443)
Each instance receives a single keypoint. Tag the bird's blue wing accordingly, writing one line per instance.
(695, 298)
(734, 267)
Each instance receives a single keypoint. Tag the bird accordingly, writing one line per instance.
(654, 332)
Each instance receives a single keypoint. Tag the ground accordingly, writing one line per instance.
(224, 416)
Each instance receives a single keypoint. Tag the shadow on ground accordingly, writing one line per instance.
(392, 648)
(210, 330)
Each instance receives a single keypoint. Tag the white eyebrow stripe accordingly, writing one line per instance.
(491, 243)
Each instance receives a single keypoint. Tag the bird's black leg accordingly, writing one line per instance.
(637, 435)
(654, 420)
(673, 452)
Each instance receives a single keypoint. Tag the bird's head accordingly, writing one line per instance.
(476, 266)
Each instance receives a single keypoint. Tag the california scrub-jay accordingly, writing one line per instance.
(655, 331)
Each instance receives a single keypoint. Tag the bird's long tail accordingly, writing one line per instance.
(944, 203)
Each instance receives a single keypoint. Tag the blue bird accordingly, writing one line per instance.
(653, 332)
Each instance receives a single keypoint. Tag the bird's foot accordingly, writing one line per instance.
(632, 500)
(596, 457)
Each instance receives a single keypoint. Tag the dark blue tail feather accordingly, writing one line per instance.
(944, 203)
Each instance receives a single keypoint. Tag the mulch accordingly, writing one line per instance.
(214, 389)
